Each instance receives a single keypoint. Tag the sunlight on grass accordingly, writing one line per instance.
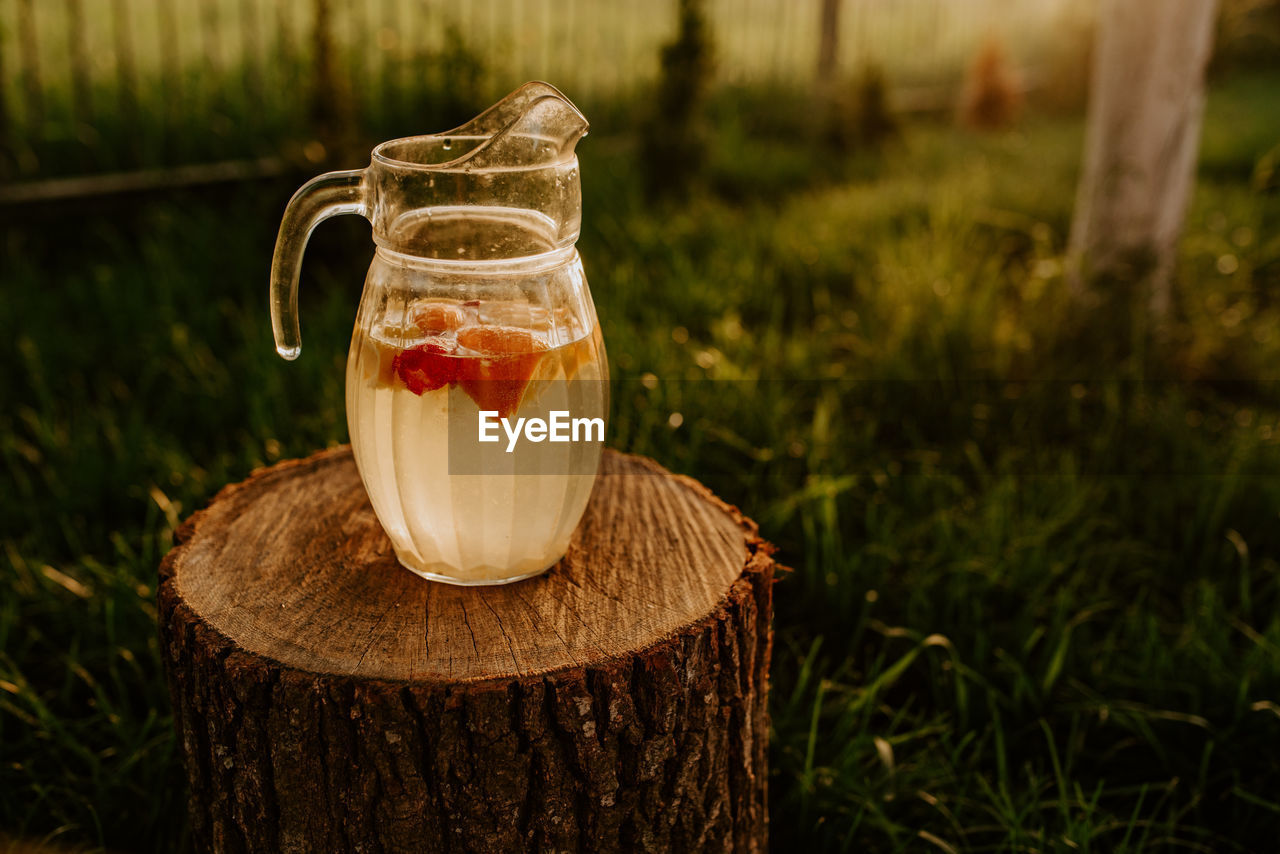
(1035, 601)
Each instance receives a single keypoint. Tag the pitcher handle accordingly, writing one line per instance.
(320, 198)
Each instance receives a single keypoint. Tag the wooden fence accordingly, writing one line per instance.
(106, 85)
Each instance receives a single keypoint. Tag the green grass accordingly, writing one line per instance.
(1035, 602)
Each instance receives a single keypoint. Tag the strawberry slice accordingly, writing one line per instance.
(496, 378)
(426, 367)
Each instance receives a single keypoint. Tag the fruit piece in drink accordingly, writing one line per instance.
(506, 357)
(426, 367)
(437, 318)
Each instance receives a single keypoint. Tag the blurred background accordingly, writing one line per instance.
(108, 85)
(1035, 536)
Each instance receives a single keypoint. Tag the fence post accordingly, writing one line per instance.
(252, 61)
(328, 105)
(287, 55)
(211, 44)
(172, 75)
(126, 75)
(30, 50)
(828, 43)
(5, 148)
(82, 92)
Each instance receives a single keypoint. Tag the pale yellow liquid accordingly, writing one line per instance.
(472, 528)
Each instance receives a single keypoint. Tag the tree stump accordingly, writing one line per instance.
(327, 699)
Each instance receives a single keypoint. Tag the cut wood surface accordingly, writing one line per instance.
(328, 699)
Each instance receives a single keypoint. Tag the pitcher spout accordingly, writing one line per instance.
(539, 126)
(507, 112)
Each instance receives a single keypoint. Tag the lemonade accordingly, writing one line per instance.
(420, 370)
(475, 307)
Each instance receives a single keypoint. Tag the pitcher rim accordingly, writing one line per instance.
(380, 157)
(518, 265)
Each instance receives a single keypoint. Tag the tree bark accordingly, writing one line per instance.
(327, 699)
(1145, 109)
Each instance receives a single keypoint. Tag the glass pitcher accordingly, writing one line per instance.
(475, 324)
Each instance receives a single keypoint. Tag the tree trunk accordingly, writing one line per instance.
(327, 699)
(1145, 108)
